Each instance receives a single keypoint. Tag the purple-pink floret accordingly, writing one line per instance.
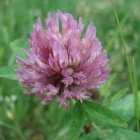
(62, 64)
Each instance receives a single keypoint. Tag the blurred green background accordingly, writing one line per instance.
(24, 117)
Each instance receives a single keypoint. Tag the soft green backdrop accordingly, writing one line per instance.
(24, 117)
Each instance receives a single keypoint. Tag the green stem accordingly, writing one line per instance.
(135, 95)
(123, 41)
(117, 32)
(132, 72)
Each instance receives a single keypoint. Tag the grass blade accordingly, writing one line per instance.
(117, 96)
(135, 95)
(132, 71)
(123, 41)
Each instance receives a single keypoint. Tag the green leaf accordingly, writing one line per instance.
(77, 123)
(125, 107)
(98, 112)
(90, 136)
(116, 97)
(8, 72)
(122, 134)
(75, 130)
(115, 134)
(17, 45)
(78, 113)
(119, 95)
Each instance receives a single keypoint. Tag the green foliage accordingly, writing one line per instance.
(17, 47)
(77, 122)
(115, 134)
(24, 117)
(135, 95)
(124, 107)
(116, 97)
(8, 72)
(98, 112)
(122, 134)
(90, 136)
(94, 112)
(131, 69)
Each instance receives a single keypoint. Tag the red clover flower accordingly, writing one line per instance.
(63, 64)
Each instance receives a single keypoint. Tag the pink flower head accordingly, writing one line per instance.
(63, 64)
